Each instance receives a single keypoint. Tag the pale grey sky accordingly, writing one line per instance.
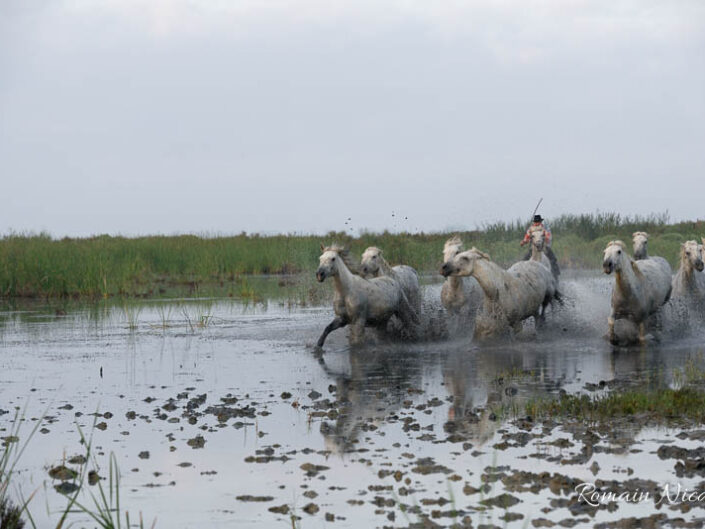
(154, 116)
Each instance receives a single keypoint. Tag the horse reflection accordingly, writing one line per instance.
(376, 385)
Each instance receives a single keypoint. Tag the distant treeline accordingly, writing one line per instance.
(103, 266)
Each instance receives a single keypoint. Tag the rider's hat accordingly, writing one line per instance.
(538, 218)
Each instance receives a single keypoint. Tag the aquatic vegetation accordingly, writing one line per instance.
(37, 265)
(691, 373)
(658, 405)
(10, 515)
(12, 449)
(198, 316)
(105, 511)
(164, 312)
(132, 314)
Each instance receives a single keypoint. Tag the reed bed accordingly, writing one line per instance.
(37, 265)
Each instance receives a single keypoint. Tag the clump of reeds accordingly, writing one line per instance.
(104, 507)
(37, 265)
(659, 405)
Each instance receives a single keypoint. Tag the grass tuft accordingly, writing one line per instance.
(659, 405)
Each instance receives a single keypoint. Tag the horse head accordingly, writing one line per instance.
(329, 262)
(371, 262)
(691, 254)
(451, 248)
(462, 264)
(615, 255)
(538, 237)
(641, 239)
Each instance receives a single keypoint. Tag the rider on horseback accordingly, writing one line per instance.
(540, 224)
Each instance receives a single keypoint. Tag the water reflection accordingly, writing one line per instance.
(376, 384)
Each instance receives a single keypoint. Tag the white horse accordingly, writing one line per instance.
(461, 296)
(511, 296)
(539, 248)
(689, 282)
(360, 302)
(373, 264)
(640, 239)
(640, 289)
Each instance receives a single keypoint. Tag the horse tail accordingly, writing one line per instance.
(406, 308)
(558, 296)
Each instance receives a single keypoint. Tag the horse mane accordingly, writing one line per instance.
(683, 245)
(455, 240)
(621, 244)
(642, 233)
(635, 268)
(480, 253)
(344, 254)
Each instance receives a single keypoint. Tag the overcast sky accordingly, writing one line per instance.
(152, 116)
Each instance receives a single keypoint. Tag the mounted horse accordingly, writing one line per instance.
(539, 250)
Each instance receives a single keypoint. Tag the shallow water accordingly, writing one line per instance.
(389, 407)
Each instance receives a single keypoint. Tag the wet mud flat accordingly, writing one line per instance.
(239, 421)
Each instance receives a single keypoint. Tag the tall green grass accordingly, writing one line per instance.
(34, 265)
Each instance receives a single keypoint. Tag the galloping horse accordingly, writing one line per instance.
(689, 281)
(360, 302)
(640, 289)
(461, 296)
(511, 296)
(373, 264)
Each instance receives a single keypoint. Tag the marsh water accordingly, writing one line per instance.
(221, 413)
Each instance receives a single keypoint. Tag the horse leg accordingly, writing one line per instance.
(558, 296)
(466, 321)
(337, 323)
(546, 302)
(610, 329)
(383, 329)
(357, 331)
(517, 327)
(642, 333)
(539, 319)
